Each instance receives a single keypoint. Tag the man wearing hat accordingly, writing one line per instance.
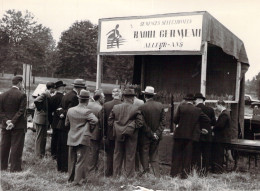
(69, 100)
(54, 105)
(79, 120)
(151, 133)
(125, 120)
(109, 139)
(222, 134)
(202, 148)
(188, 118)
(95, 138)
(42, 118)
(13, 125)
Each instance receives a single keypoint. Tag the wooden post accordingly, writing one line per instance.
(142, 74)
(99, 72)
(204, 69)
(238, 81)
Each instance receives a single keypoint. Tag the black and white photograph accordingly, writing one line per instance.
(129, 95)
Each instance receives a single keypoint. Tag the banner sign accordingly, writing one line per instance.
(170, 33)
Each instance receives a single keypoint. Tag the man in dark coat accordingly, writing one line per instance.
(125, 120)
(151, 133)
(109, 139)
(95, 138)
(202, 148)
(79, 119)
(69, 100)
(42, 119)
(54, 105)
(188, 118)
(222, 134)
(13, 122)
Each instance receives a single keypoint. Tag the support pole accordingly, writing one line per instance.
(142, 73)
(204, 69)
(238, 81)
(99, 72)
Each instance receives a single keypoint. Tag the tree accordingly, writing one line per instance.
(28, 41)
(77, 51)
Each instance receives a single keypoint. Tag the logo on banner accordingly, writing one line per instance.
(114, 38)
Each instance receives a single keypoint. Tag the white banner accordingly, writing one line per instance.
(171, 33)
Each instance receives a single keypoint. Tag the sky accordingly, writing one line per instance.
(239, 16)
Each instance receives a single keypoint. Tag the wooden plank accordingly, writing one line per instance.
(238, 81)
(204, 69)
(99, 72)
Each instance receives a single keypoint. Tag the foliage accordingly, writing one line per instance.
(118, 68)
(77, 51)
(25, 41)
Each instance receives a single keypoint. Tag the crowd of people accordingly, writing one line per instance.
(127, 128)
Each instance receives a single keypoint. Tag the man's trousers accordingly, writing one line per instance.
(41, 137)
(54, 142)
(12, 140)
(125, 150)
(217, 157)
(110, 147)
(93, 155)
(148, 151)
(181, 157)
(201, 157)
(62, 151)
(77, 160)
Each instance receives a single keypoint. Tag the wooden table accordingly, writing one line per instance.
(251, 147)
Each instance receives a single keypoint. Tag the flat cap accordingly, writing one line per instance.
(17, 79)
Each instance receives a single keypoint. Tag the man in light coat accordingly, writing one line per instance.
(42, 119)
(125, 120)
(79, 119)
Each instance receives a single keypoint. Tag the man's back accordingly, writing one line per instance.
(108, 106)
(12, 106)
(152, 112)
(188, 118)
(69, 100)
(78, 118)
(222, 128)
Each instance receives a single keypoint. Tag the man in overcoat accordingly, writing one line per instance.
(79, 120)
(125, 120)
(13, 122)
(54, 105)
(42, 119)
(188, 118)
(202, 148)
(222, 134)
(95, 138)
(109, 138)
(151, 132)
(68, 100)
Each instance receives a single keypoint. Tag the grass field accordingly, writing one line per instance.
(41, 175)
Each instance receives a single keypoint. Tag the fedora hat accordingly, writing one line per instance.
(149, 90)
(129, 92)
(59, 84)
(80, 83)
(84, 94)
(199, 96)
(189, 97)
